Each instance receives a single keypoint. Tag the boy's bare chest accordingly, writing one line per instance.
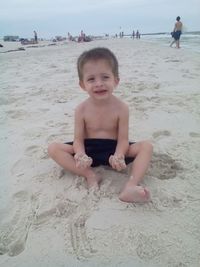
(104, 119)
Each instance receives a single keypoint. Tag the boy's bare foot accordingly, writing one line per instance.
(93, 180)
(134, 193)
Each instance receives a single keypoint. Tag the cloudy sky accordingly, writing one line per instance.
(57, 17)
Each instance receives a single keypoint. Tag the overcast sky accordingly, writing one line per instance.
(57, 17)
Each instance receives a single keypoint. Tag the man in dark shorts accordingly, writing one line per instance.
(176, 34)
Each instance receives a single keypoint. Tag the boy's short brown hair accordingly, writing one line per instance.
(97, 54)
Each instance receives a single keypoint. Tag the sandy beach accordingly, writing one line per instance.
(47, 215)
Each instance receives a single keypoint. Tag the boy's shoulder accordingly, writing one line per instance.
(83, 104)
(120, 102)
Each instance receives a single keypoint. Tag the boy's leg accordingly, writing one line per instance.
(62, 154)
(133, 192)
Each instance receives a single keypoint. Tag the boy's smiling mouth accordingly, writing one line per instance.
(100, 91)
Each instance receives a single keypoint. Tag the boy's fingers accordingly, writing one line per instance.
(111, 160)
(120, 166)
(78, 164)
(82, 161)
(117, 163)
(123, 165)
(114, 163)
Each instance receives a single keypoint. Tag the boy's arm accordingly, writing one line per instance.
(117, 161)
(78, 143)
(81, 159)
(123, 127)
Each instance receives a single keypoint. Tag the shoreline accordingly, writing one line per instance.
(189, 40)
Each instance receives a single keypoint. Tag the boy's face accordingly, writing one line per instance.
(98, 79)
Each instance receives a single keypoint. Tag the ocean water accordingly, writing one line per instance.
(187, 41)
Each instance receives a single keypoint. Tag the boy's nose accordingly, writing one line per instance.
(98, 82)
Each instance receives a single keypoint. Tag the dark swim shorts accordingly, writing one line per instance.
(100, 150)
(177, 35)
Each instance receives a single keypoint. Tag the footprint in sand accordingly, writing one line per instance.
(161, 134)
(164, 167)
(172, 60)
(63, 209)
(43, 110)
(31, 150)
(80, 242)
(195, 135)
(55, 138)
(18, 169)
(52, 123)
(185, 71)
(36, 152)
(15, 228)
(188, 76)
(148, 246)
(164, 199)
(156, 85)
(17, 114)
(7, 101)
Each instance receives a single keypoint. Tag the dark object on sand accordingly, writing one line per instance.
(172, 34)
(10, 38)
(14, 50)
(27, 42)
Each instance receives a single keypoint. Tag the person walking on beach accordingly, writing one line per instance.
(101, 129)
(35, 37)
(133, 34)
(177, 31)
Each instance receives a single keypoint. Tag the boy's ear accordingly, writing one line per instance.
(82, 85)
(117, 81)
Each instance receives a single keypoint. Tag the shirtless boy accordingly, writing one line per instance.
(177, 32)
(101, 129)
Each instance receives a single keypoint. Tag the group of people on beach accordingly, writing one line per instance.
(133, 35)
(81, 38)
(176, 33)
(137, 34)
(25, 41)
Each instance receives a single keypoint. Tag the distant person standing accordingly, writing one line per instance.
(133, 34)
(82, 36)
(35, 37)
(70, 38)
(177, 31)
(137, 35)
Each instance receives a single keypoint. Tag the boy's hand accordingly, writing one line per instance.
(82, 160)
(117, 162)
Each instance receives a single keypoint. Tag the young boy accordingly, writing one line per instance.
(101, 129)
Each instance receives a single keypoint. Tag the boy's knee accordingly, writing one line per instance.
(146, 145)
(52, 148)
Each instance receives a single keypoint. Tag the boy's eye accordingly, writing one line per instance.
(105, 77)
(90, 79)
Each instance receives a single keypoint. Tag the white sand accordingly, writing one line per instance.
(47, 216)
